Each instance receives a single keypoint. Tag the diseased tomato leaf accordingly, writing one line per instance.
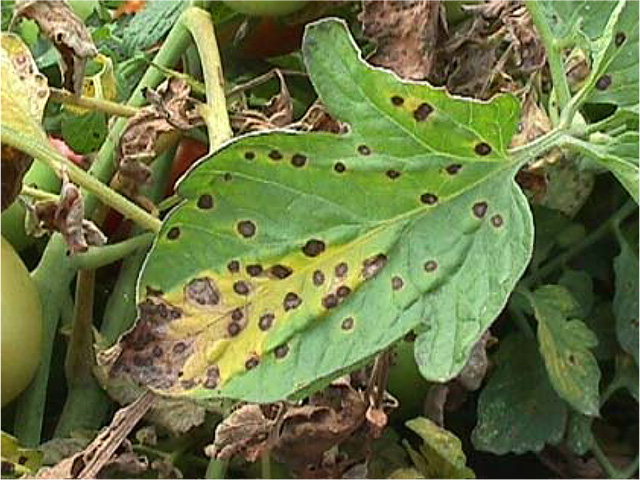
(625, 301)
(295, 257)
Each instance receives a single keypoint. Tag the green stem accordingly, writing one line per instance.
(611, 471)
(216, 468)
(595, 236)
(41, 151)
(169, 202)
(539, 146)
(97, 257)
(38, 194)
(553, 50)
(631, 470)
(265, 465)
(111, 108)
(199, 24)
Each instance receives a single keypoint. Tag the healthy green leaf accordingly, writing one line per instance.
(579, 437)
(441, 454)
(518, 409)
(565, 345)
(84, 133)
(151, 25)
(294, 257)
(625, 301)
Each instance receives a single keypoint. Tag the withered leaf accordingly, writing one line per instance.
(68, 33)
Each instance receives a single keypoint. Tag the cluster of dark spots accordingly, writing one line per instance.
(453, 168)
(393, 174)
(330, 301)
(249, 155)
(291, 301)
(371, 266)
(604, 82)
(364, 150)
(483, 148)
(620, 38)
(298, 160)
(237, 314)
(341, 269)
(340, 167)
(313, 247)
(246, 228)
(202, 291)
(348, 323)
(479, 209)
(280, 271)
(497, 221)
(275, 155)
(266, 321)
(241, 288)
(343, 291)
(430, 266)
(422, 112)
(397, 100)
(254, 270)
(318, 278)
(429, 198)
(233, 266)
(205, 202)
(213, 377)
(173, 233)
(281, 351)
(396, 282)
(252, 362)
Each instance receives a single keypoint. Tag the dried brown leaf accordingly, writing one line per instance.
(14, 166)
(407, 34)
(68, 33)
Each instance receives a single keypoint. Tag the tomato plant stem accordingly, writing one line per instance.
(216, 468)
(112, 108)
(38, 194)
(553, 50)
(97, 257)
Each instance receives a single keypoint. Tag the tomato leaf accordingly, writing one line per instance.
(565, 345)
(518, 410)
(16, 460)
(625, 301)
(294, 257)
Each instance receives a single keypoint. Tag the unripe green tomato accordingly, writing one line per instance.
(265, 8)
(21, 325)
(83, 8)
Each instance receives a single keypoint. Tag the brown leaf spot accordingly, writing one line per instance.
(393, 174)
(422, 112)
(281, 351)
(291, 301)
(339, 167)
(249, 155)
(483, 148)
(252, 362)
(373, 265)
(280, 271)
(205, 202)
(247, 228)
(313, 247)
(364, 150)
(298, 160)
(497, 221)
(341, 269)
(234, 329)
(343, 291)
(430, 266)
(202, 291)
(396, 282)
(233, 266)
(453, 168)
(429, 198)
(480, 209)
(318, 278)
(179, 348)
(275, 155)
(254, 270)
(213, 377)
(397, 100)
(330, 301)
(604, 82)
(266, 321)
(348, 323)
(241, 288)
(173, 233)
(237, 314)
(620, 38)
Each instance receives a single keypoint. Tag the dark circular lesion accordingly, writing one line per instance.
(621, 37)
(233, 266)
(275, 155)
(212, 377)
(280, 271)
(483, 148)
(241, 287)
(173, 233)
(429, 198)
(205, 201)
(298, 160)
(281, 351)
(339, 167)
(364, 150)
(393, 174)
(604, 82)
(252, 362)
(397, 100)
(314, 247)
(254, 270)
(249, 155)
(454, 168)
(430, 266)
(343, 291)
(291, 300)
(348, 323)
(341, 269)
(330, 301)
(422, 112)
(246, 228)
(202, 291)
(497, 220)
(318, 278)
(266, 321)
(480, 209)
(397, 282)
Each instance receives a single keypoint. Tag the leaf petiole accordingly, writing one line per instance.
(112, 108)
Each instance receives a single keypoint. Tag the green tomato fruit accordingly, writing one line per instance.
(265, 8)
(83, 8)
(21, 325)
